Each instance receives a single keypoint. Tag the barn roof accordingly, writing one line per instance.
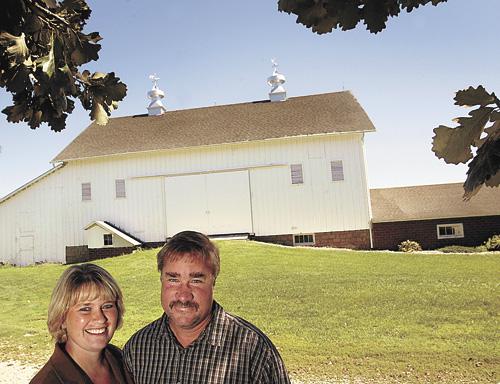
(298, 116)
(114, 229)
(437, 201)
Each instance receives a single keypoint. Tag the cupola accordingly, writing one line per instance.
(156, 107)
(276, 81)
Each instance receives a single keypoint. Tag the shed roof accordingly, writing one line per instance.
(298, 116)
(437, 201)
(114, 229)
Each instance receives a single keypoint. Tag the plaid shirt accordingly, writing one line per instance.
(230, 351)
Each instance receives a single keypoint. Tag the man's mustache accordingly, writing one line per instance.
(183, 304)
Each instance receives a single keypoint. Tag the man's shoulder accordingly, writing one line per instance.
(149, 332)
(249, 332)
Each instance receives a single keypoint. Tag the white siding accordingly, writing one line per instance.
(54, 210)
(31, 223)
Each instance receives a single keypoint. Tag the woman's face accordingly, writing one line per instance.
(90, 325)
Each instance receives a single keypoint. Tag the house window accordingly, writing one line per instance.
(296, 173)
(303, 239)
(108, 239)
(120, 188)
(450, 231)
(86, 192)
(337, 170)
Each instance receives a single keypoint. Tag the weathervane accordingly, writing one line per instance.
(154, 79)
(275, 65)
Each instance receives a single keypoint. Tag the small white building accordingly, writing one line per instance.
(290, 172)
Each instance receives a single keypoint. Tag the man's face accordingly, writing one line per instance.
(187, 286)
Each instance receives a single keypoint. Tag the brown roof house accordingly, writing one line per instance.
(285, 170)
(433, 215)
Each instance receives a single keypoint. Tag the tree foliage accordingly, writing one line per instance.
(323, 16)
(455, 145)
(42, 46)
(472, 140)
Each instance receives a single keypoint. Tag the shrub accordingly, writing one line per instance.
(409, 246)
(493, 243)
(461, 249)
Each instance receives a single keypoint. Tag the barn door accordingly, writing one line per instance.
(215, 203)
(26, 249)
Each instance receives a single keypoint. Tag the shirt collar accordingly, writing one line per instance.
(212, 334)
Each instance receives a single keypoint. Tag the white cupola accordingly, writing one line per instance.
(276, 81)
(156, 107)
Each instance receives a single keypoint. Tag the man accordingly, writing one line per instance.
(195, 340)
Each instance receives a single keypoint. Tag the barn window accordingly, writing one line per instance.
(108, 239)
(303, 239)
(450, 231)
(86, 191)
(337, 170)
(120, 188)
(296, 173)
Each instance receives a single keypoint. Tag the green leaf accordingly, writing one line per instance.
(346, 14)
(495, 115)
(454, 144)
(17, 78)
(84, 52)
(47, 62)
(50, 3)
(98, 113)
(485, 167)
(375, 16)
(15, 46)
(41, 48)
(474, 96)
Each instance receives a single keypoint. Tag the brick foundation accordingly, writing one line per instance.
(476, 231)
(77, 254)
(80, 254)
(358, 239)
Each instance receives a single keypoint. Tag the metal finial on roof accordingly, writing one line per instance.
(276, 81)
(156, 107)
(154, 79)
(275, 66)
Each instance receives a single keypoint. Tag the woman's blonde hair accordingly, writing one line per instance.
(80, 283)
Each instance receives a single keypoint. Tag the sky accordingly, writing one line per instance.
(219, 52)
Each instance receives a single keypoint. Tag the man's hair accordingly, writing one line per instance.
(81, 283)
(193, 245)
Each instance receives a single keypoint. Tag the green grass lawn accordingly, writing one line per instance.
(332, 313)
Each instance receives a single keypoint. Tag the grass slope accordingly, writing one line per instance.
(332, 313)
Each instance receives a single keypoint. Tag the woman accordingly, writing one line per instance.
(85, 309)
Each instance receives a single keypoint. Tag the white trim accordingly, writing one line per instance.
(113, 230)
(313, 135)
(457, 229)
(430, 218)
(203, 172)
(304, 243)
(104, 239)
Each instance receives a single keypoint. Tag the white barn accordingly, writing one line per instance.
(290, 172)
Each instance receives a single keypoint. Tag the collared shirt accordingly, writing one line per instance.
(62, 369)
(230, 350)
